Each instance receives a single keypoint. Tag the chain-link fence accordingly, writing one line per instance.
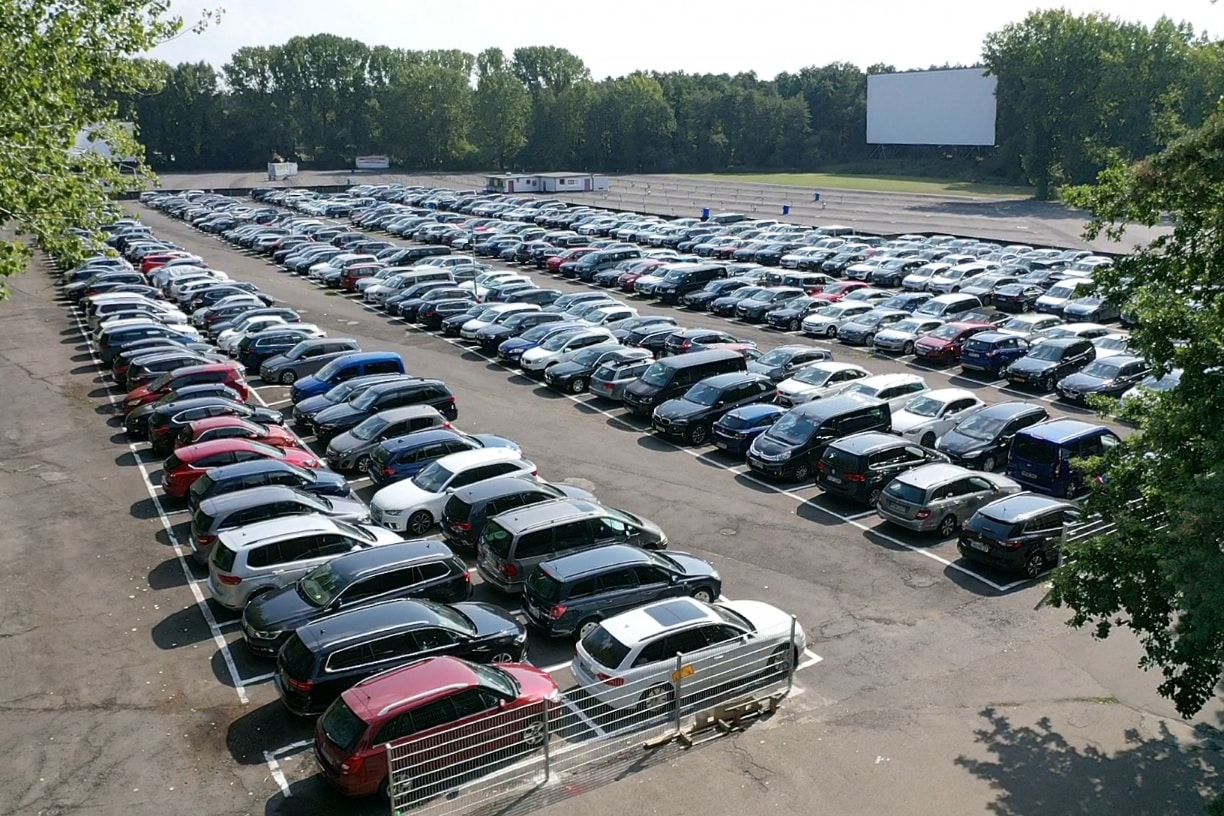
(613, 723)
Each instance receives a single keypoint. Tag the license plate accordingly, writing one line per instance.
(1028, 475)
(834, 478)
(892, 505)
(1020, 377)
(978, 545)
(722, 443)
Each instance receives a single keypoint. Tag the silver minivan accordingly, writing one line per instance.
(258, 558)
(513, 545)
(940, 497)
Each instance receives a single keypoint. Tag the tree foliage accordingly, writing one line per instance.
(64, 62)
(1160, 573)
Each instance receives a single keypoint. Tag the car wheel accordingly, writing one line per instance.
(402, 788)
(928, 440)
(502, 657)
(656, 699)
(947, 526)
(578, 385)
(586, 627)
(420, 522)
(831, 331)
(793, 325)
(989, 464)
(288, 377)
(1071, 490)
(781, 660)
(1047, 384)
(362, 464)
(1035, 564)
(1024, 307)
(873, 496)
(703, 594)
(908, 348)
(698, 434)
(533, 734)
(802, 472)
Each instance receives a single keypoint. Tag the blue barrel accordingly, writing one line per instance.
(786, 209)
(816, 196)
(705, 213)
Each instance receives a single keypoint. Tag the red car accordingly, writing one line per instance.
(159, 259)
(836, 291)
(232, 427)
(354, 273)
(185, 465)
(554, 263)
(229, 373)
(455, 711)
(945, 343)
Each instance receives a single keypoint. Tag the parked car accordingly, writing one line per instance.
(573, 376)
(940, 497)
(571, 595)
(736, 429)
(816, 381)
(233, 427)
(246, 475)
(1042, 456)
(384, 396)
(900, 337)
(982, 440)
(468, 508)
(945, 344)
(1109, 377)
(351, 737)
(1022, 532)
(691, 415)
(992, 352)
(930, 415)
(305, 359)
(350, 451)
(405, 456)
(420, 570)
(794, 444)
(184, 466)
(858, 466)
(1049, 361)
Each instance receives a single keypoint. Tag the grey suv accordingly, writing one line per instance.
(468, 508)
(350, 451)
(305, 359)
(940, 497)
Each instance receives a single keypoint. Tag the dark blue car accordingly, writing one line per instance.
(405, 456)
(992, 352)
(511, 351)
(261, 472)
(737, 428)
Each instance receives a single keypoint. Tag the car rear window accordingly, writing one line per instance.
(297, 658)
(843, 460)
(901, 491)
(496, 539)
(172, 463)
(201, 522)
(456, 509)
(342, 726)
(544, 586)
(604, 648)
(1035, 450)
(224, 557)
(992, 528)
(202, 485)
(734, 422)
(973, 344)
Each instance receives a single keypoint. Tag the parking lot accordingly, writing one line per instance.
(910, 646)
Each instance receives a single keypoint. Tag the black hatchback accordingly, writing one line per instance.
(414, 569)
(323, 659)
(857, 467)
(691, 416)
(468, 508)
(1048, 361)
(1022, 532)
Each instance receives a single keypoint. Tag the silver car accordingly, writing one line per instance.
(940, 497)
(610, 379)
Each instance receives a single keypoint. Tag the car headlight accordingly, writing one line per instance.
(392, 513)
(261, 635)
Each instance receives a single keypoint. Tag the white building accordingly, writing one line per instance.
(546, 183)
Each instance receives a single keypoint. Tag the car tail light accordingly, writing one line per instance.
(509, 570)
(856, 477)
(388, 471)
(822, 466)
(446, 424)
(467, 576)
(557, 611)
(1013, 543)
(299, 685)
(609, 680)
(922, 514)
(206, 540)
(352, 765)
(461, 526)
(231, 580)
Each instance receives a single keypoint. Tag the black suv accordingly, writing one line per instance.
(857, 467)
(1022, 532)
(701, 299)
(345, 416)
(679, 282)
(572, 594)
(1048, 361)
(323, 659)
(468, 508)
(982, 441)
(691, 416)
(413, 569)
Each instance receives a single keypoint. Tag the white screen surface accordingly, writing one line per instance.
(955, 107)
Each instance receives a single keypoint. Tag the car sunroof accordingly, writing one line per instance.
(668, 615)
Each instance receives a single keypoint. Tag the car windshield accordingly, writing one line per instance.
(556, 342)
(831, 311)
(488, 315)
(1166, 383)
(320, 586)
(907, 326)
(1111, 343)
(793, 429)
(588, 357)
(981, 427)
(901, 491)
(329, 370)
(365, 400)
(776, 357)
(494, 678)
(433, 478)
(1047, 352)
(341, 726)
(656, 375)
(946, 332)
(813, 375)
(514, 320)
(534, 334)
(604, 648)
(369, 429)
(161, 382)
(1103, 369)
(703, 394)
(924, 407)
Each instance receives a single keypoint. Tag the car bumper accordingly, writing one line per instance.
(926, 525)
(777, 470)
(396, 523)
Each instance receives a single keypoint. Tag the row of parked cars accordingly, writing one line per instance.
(924, 458)
(327, 585)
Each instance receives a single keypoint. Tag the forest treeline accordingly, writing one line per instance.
(1073, 91)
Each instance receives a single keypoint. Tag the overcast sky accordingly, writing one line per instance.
(618, 37)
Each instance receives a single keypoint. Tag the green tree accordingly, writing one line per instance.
(66, 64)
(501, 110)
(1160, 571)
(630, 125)
(426, 111)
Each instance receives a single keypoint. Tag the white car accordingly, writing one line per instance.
(917, 280)
(1110, 345)
(1028, 325)
(414, 505)
(817, 381)
(929, 416)
(628, 660)
(562, 347)
(185, 332)
(605, 315)
(895, 389)
(825, 321)
(228, 340)
(899, 338)
(496, 313)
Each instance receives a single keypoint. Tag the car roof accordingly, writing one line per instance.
(837, 404)
(534, 515)
(648, 621)
(199, 450)
(696, 358)
(949, 394)
(731, 379)
(250, 535)
(757, 410)
(1064, 341)
(417, 682)
(250, 468)
(408, 412)
(358, 564)
(395, 385)
(595, 560)
(227, 503)
(1008, 410)
(867, 441)
(1059, 431)
(363, 622)
(418, 438)
(935, 473)
(464, 460)
(885, 380)
(1019, 506)
(1121, 359)
(495, 488)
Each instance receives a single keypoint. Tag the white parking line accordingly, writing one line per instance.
(278, 403)
(556, 667)
(587, 721)
(259, 678)
(277, 775)
(179, 553)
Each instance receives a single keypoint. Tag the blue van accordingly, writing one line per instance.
(992, 352)
(344, 368)
(1041, 455)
